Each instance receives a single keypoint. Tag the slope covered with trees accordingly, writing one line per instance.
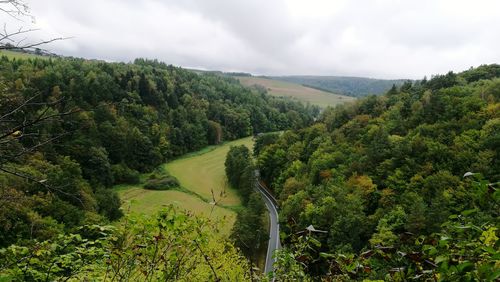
(384, 179)
(71, 128)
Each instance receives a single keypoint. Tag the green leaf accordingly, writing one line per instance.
(468, 212)
(440, 259)
(315, 242)
(431, 250)
(495, 275)
(465, 266)
(326, 255)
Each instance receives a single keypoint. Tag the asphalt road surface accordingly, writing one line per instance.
(274, 238)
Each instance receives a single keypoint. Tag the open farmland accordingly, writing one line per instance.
(296, 91)
(19, 55)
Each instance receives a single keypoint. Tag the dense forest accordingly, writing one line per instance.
(72, 128)
(349, 86)
(401, 187)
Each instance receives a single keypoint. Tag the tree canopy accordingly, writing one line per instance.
(385, 172)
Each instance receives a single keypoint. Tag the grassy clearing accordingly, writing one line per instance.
(297, 91)
(19, 55)
(204, 173)
(198, 173)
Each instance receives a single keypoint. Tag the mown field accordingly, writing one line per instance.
(297, 91)
(205, 173)
(18, 55)
(199, 174)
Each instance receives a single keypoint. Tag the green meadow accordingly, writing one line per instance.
(202, 180)
(204, 173)
(19, 55)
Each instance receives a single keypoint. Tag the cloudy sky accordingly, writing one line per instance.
(374, 38)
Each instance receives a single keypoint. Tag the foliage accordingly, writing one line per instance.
(124, 175)
(64, 256)
(164, 182)
(384, 173)
(170, 246)
(108, 204)
(248, 231)
(239, 170)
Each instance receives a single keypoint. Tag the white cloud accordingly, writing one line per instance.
(376, 38)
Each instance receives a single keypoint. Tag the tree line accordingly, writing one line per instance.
(248, 233)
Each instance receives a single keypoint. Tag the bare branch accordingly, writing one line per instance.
(9, 40)
(15, 9)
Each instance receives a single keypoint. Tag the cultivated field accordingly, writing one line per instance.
(297, 91)
(198, 174)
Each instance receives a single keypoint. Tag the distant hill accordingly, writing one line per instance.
(297, 91)
(350, 86)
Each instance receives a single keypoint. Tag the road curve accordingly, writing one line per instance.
(274, 228)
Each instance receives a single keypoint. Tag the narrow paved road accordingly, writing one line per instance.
(274, 230)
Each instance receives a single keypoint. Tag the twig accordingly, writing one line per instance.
(207, 259)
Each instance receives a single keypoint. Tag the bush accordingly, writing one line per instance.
(123, 174)
(108, 203)
(161, 183)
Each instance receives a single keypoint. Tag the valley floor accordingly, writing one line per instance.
(199, 174)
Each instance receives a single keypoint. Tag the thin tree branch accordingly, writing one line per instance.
(207, 260)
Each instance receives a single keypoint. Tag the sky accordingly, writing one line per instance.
(372, 38)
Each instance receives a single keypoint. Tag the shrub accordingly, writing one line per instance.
(161, 183)
(123, 174)
(108, 203)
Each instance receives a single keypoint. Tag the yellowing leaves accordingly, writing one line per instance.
(489, 237)
(363, 182)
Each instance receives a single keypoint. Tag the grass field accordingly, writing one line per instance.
(205, 172)
(198, 173)
(297, 91)
(18, 55)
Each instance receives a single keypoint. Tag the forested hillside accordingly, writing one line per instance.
(386, 182)
(71, 128)
(349, 86)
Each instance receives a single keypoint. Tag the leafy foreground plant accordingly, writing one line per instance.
(170, 246)
(465, 249)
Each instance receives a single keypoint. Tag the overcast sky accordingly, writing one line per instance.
(374, 38)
